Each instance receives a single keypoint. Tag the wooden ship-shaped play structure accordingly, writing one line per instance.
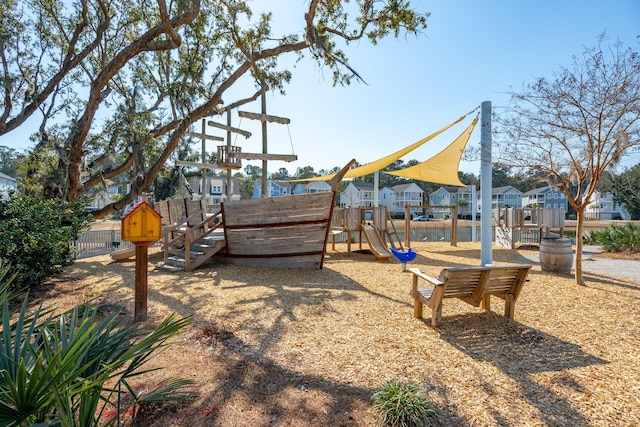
(286, 232)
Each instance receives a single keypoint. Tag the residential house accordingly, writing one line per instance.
(274, 188)
(7, 184)
(450, 196)
(312, 187)
(215, 189)
(545, 197)
(357, 194)
(505, 197)
(387, 198)
(399, 196)
(603, 206)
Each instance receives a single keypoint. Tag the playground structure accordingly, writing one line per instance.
(379, 231)
(439, 169)
(181, 237)
(124, 253)
(229, 157)
(287, 232)
(526, 225)
(282, 232)
(190, 236)
(404, 256)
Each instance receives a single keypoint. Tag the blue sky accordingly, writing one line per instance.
(471, 52)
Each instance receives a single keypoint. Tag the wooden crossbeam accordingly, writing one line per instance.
(197, 165)
(264, 117)
(262, 156)
(242, 132)
(207, 137)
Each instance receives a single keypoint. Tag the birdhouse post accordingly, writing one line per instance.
(142, 226)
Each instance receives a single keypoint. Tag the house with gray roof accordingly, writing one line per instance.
(7, 184)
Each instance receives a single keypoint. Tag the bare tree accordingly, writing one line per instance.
(576, 125)
(118, 82)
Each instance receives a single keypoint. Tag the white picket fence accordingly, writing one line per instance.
(98, 242)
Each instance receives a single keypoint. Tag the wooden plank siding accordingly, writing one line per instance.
(278, 210)
(282, 232)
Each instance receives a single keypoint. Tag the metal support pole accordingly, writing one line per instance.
(474, 213)
(486, 256)
(376, 189)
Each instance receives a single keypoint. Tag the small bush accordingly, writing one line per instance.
(616, 238)
(589, 238)
(35, 235)
(403, 405)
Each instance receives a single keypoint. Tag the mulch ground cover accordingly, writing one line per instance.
(272, 347)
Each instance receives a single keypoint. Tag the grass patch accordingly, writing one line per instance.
(403, 405)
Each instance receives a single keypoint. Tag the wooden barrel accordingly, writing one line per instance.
(556, 255)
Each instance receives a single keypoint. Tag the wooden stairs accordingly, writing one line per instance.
(199, 251)
(190, 236)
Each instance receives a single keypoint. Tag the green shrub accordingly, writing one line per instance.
(35, 235)
(616, 238)
(403, 405)
(53, 369)
(589, 238)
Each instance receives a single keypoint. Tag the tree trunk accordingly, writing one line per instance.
(579, 229)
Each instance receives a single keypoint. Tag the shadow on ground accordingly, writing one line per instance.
(521, 352)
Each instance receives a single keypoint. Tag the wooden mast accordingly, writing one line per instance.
(203, 137)
(204, 160)
(263, 103)
(264, 157)
(228, 189)
(229, 157)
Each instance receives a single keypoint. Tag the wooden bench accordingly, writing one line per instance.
(473, 285)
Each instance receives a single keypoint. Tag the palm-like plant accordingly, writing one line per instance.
(617, 238)
(54, 368)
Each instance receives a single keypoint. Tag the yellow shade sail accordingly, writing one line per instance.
(382, 163)
(443, 167)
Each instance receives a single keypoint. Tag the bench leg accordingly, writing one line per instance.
(417, 304)
(417, 309)
(509, 306)
(436, 315)
(486, 302)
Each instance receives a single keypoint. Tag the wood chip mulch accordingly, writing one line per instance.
(307, 348)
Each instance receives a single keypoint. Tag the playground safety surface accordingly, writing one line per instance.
(308, 347)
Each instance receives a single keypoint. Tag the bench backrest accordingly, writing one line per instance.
(461, 281)
(507, 280)
(472, 283)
